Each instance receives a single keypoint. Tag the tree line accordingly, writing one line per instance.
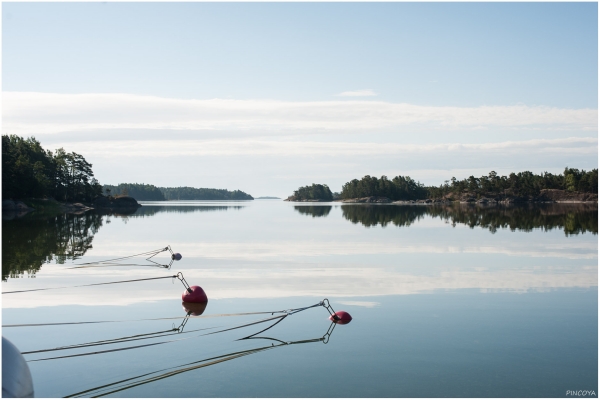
(141, 191)
(190, 193)
(398, 188)
(522, 184)
(30, 171)
(138, 191)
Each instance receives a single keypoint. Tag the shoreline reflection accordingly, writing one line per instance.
(573, 219)
(314, 211)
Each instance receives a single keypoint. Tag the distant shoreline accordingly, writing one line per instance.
(19, 208)
(545, 196)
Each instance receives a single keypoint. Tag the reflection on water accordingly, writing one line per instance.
(315, 211)
(150, 210)
(382, 215)
(32, 240)
(572, 218)
(449, 294)
(163, 373)
(29, 242)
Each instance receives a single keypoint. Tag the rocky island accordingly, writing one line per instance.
(312, 193)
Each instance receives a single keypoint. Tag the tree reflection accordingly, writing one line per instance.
(150, 210)
(315, 211)
(29, 242)
(573, 219)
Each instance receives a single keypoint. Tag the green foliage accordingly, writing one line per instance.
(138, 191)
(313, 192)
(581, 181)
(190, 193)
(141, 191)
(30, 171)
(399, 188)
(522, 184)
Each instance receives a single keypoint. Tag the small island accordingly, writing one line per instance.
(267, 198)
(312, 193)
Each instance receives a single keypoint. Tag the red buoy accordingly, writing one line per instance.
(342, 318)
(176, 256)
(196, 295)
(194, 309)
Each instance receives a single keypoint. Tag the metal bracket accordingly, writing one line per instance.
(185, 320)
(327, 335)
(184, 282)
(330, 310)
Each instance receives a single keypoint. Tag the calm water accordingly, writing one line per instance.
(447, 302)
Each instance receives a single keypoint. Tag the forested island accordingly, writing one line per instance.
(61, 181)
(572, 185)
(314, 192)
(146, 192)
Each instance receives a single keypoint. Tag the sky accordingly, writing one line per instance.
(267, 97)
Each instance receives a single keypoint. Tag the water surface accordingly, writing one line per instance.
(447, 301)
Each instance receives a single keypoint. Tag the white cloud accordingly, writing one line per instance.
(30, 113)
(366, 304)
(168, 148)
(358, 93)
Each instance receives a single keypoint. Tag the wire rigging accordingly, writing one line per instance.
(153, 344)
(111, 262)
(92, 284)
(139, 320)
(277, 319)
(125, 384)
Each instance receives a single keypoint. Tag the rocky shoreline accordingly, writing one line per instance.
(546, 196)
(308, 200)
(18, 208)
(120, 202)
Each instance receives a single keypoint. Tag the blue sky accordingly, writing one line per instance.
(285, 86)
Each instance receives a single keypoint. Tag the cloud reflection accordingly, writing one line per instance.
(296, 279)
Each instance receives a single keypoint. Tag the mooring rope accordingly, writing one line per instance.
(169, 332)
(92, 284)
(289, 311)
(110, 262)
(127, 384)
(224, 357)
(152, 252)
(140, 320)
(156, 343)
(279, 318)
(156, 265)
